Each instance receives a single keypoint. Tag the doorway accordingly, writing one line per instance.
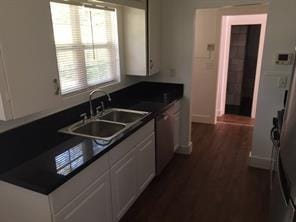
(243, 55)
(241, 50)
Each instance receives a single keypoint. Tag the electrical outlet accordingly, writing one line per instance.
(283, 82)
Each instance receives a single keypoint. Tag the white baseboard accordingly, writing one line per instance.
(259, 162)
(186, 150)
(203, 119)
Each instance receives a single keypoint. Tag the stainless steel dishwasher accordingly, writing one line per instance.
(164, 139)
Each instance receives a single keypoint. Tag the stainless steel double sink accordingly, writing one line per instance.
(106, 127)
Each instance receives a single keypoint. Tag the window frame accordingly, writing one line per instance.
(118, 78)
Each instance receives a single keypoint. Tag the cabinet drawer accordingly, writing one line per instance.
(68, 191)
(92, 205)
(128, 144)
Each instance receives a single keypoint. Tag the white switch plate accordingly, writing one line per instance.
(211, 47)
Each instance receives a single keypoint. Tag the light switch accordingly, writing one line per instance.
(211, 47)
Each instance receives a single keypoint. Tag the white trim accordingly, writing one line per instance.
(227, 22)
(203, 119)
(235, 124)
(219, 112)
(223, 65)
(186, 150)
(259, 162)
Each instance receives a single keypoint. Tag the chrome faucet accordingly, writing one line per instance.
(90, 100)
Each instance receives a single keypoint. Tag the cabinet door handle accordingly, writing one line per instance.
(151, 64)
(57, 86)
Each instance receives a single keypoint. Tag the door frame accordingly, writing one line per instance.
(227, 23)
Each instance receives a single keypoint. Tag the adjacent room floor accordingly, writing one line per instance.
(236, 119)
(213, 184)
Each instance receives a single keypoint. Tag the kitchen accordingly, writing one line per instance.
(51, 168)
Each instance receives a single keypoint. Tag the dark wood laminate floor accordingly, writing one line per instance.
(236, 119)
(214, 184)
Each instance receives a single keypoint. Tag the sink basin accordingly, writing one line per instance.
(100, 129)
(123, 116)
(96, 129)
(107, 127)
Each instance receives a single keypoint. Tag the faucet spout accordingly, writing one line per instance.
(92, 93)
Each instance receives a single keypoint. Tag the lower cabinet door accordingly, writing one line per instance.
(93, 205)
(145, 163)
(123, 184)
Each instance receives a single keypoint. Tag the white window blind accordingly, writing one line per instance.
(69, 160)
(86, 45)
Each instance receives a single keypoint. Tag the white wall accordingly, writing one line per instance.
(206, 92)
(280, 36)
(205, 63)
(177, 51)
(177, 48)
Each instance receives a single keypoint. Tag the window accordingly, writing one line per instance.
(86, 40)
(69, 160)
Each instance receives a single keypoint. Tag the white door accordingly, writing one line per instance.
(146, 163)
(123, 184)
(154, 20)
(94, 205)
(28, 56)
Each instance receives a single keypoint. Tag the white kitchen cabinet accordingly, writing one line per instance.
(145, 163)
(28, 67)
(142, 39)
(93, 205)
(135, 41)
(102, 192)
(124, 184)
(154, 23)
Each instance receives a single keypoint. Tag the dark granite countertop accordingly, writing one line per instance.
(63, 156)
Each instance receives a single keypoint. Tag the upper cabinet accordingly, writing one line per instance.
(154, 21)
(142, 39)
(28, 67)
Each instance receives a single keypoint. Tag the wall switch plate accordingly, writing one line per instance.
(211, 47)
